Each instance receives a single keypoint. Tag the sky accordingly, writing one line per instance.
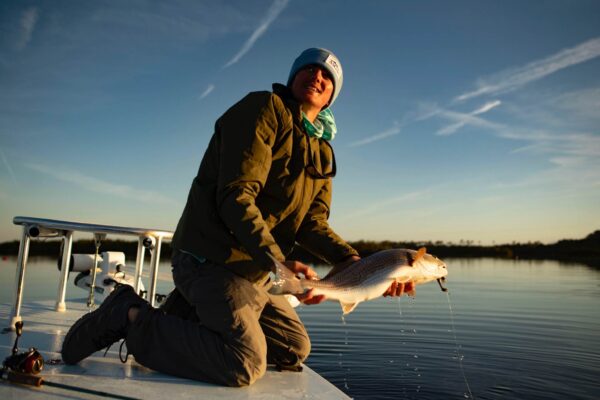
(462, 120)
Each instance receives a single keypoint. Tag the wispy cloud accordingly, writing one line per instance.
(374, 208)
(394, 130)
(487, 107)
(8, 167)
(514, 78)
(29, 20)
(207, 91)
(272, 13)
(96, 185)
(583, 104)
(462, 119)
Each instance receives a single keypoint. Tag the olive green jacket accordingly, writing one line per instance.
(252, 193)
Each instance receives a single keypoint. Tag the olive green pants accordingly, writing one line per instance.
(235, 328)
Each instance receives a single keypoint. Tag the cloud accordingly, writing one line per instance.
(514, 78)
(207, 91)
(29, 20)
(487, 107)
(8, 167)
(462, 119)
(394, 130)
(583, 104)
(375, 208)
(276, 8)
(99, 186)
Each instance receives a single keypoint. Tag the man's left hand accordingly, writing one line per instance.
(397, 289)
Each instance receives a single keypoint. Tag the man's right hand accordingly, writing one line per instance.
(299, 268)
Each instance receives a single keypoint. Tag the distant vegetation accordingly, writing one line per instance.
(586, 250)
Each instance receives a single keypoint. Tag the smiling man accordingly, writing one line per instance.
(263, 187)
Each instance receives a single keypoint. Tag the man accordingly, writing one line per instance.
(263, 186)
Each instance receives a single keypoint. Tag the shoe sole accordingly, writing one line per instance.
(108, 301)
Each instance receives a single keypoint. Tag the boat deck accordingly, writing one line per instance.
(44, 329)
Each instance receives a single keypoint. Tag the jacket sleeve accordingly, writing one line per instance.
(315, 234)
(248, 132)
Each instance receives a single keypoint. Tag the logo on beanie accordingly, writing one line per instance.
(330, 60)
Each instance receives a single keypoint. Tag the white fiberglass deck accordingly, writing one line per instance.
(44, 328)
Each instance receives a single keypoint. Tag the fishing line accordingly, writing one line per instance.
(341, 352)
(403, 342)
(458, 355)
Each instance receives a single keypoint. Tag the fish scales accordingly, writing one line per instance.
(363, 269)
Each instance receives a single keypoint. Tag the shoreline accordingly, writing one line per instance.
(585, 251)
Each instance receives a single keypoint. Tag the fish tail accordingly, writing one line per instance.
(285, 281)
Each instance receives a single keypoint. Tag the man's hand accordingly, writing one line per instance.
(299, 268)
(398, 289)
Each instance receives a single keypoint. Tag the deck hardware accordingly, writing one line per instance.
(98, 238)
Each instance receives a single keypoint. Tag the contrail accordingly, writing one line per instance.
(394, 130)
(512, 79)
(99, 186)
(28, 22)
(8, 167)
(206, 92)
(273, 12)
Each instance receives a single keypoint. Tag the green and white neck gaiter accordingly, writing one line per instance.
(323, 127)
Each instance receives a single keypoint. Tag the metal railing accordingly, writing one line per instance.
(150, 239)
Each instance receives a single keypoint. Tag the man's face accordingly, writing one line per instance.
(312, 87)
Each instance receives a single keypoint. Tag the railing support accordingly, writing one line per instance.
(139, 264)
(154, 262)
(64, 271)
(20, 276)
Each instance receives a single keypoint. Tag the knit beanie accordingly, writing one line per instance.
(324, 58)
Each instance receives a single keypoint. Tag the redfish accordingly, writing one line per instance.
(367, 278)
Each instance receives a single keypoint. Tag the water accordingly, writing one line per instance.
(517, 330)
(508, 330)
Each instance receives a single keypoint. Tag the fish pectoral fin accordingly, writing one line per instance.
(347, 308)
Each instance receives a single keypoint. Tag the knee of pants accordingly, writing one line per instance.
(303, 349)
(245, 372)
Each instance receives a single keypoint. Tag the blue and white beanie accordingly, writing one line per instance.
(324, 58)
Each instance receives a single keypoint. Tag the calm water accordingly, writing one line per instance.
(517, 330)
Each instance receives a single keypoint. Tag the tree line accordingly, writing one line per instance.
(586, 250)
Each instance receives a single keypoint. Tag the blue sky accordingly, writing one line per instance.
(472, 120)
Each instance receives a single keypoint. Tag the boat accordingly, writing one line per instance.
(44, 324)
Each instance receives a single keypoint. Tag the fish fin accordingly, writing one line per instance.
(347, 308)
(285, 281)
(420, 253)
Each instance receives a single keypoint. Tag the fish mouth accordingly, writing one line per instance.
(439, 281)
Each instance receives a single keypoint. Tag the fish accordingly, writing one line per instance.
(365, 279)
